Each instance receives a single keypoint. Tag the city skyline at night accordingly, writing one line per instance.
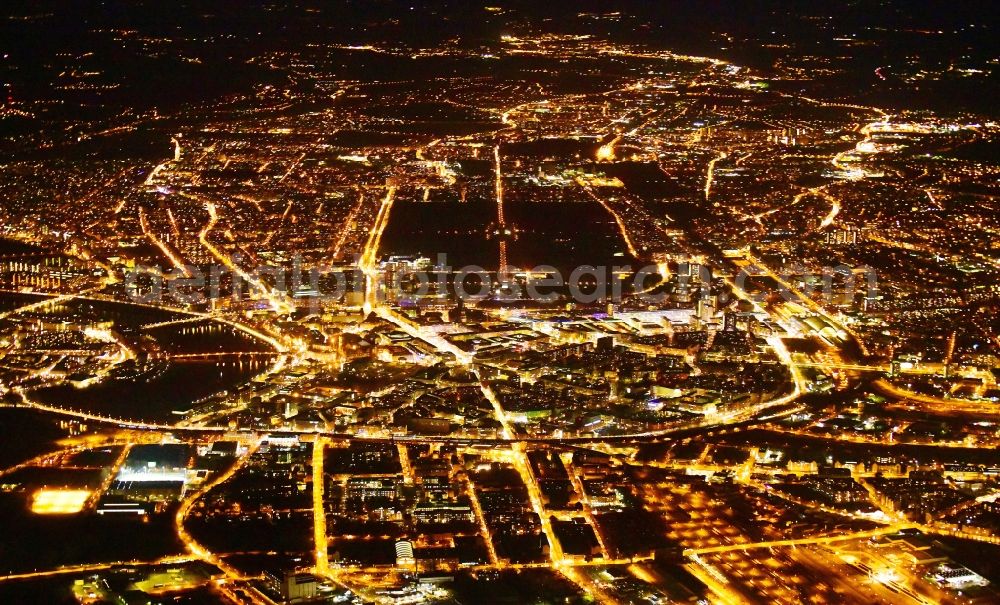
(445, 302)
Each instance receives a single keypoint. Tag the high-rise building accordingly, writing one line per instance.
(298, 587)
(404, 553)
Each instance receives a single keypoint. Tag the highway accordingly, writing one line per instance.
(112, 474)
(320, 542)
(889, 529)
(55, 299)
(501, 221)
(368, 264)
(626, 237)
(710, 174)
(369, 255)
(708, 423)
(92, 567)
(811, 304)
(832, 215)
(192, 498)
(191, 315)
(941, 404)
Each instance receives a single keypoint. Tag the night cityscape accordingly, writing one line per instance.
(516, 302)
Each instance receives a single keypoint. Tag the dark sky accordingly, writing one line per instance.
(40, 38)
